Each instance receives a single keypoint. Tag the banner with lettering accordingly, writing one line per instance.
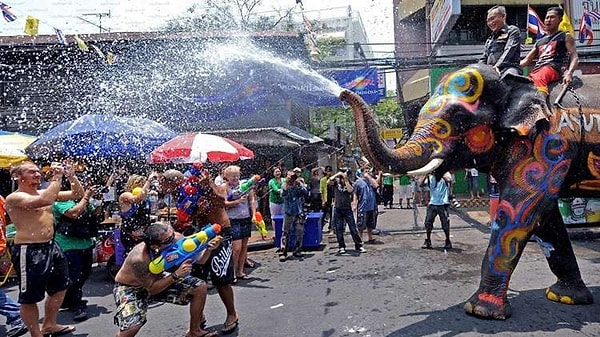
(312, 90)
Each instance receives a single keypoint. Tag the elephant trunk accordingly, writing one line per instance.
(411, 156)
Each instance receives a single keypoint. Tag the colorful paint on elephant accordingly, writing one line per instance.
(464, 88)
(535, 179)
(465, 85)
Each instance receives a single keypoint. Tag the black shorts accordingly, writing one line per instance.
(219, 265)
(241, 228)
(365, 220)
(41, 268)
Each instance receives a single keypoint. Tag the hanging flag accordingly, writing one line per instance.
(534, 24)
(31, 26)
(7, 13)
(594, 15)
(565, 25)
(98, 51)
(81, 44)
(110, 58)
(60, 37)
(585, 29)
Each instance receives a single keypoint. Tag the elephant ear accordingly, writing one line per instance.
(525, 105)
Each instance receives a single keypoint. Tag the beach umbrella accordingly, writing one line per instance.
(193, 147)
(12, 147)
(101, 136)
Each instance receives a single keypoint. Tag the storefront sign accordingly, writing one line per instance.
(392, 133)
(443, 14)
(579, 210)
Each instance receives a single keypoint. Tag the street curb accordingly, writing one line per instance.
(261, 245)
(575, 233)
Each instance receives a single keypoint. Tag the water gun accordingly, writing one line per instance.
(244, 188)
(260, 224)
(188, 247)
(190, 193)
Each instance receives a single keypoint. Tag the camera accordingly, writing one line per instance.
(104, 189)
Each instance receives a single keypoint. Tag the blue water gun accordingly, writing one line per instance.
(188, 247)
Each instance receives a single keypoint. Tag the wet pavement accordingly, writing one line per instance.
(394, 289)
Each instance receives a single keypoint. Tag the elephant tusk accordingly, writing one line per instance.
(432, 165)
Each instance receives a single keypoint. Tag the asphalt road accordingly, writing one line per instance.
(395, 289)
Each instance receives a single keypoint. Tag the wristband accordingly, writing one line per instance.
(175, 277)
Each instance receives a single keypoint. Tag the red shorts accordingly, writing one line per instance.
(543, 76)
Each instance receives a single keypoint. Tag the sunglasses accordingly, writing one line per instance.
(169, 240)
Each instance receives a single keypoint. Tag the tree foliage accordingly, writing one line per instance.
(387, 113)
(230, 15)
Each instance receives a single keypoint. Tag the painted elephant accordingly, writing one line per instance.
(501, 126)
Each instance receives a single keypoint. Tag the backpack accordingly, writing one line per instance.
(85, 227)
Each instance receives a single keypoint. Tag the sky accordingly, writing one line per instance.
(144, 15)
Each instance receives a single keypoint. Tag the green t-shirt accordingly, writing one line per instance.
(404, 180)
(388, 180)
(275, 191)
(68, 242)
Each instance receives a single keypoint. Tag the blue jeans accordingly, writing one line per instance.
(341, 217)
(9, 308)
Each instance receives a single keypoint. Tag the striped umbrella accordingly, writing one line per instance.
(193, 147)
(12, 147)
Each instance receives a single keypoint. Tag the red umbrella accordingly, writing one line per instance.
(193, 147)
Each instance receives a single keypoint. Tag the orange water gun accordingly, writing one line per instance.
(260, 224)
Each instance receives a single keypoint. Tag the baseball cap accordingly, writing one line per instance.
(297, 170)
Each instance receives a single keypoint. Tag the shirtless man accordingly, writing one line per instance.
(211, 209)
(45, 268)
(134, 284)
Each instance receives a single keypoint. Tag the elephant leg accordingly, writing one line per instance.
(501, 258)
(569, 287)
(529, 186)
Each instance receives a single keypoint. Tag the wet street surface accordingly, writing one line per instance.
(395, 289)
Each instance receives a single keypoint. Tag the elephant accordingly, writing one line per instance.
(538, 154)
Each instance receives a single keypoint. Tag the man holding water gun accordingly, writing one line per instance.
(135, 285)
(210, 208)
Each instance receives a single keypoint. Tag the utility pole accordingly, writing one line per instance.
(99, 16)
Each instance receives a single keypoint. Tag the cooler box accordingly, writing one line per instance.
(312, 230)
(119, 248)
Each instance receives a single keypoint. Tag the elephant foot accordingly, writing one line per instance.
(569, 293)
(485, 305)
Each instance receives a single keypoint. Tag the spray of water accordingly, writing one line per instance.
(187, 83)
(207, 81)
(293, 74)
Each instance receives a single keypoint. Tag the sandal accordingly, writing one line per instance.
(249, 264)
(203, 322)
(206, 334)
(62, 331)
(230, 327)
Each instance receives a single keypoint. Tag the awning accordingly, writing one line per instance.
(291, 136)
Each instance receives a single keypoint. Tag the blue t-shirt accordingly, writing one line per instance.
(439, 191)
(365, 194)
